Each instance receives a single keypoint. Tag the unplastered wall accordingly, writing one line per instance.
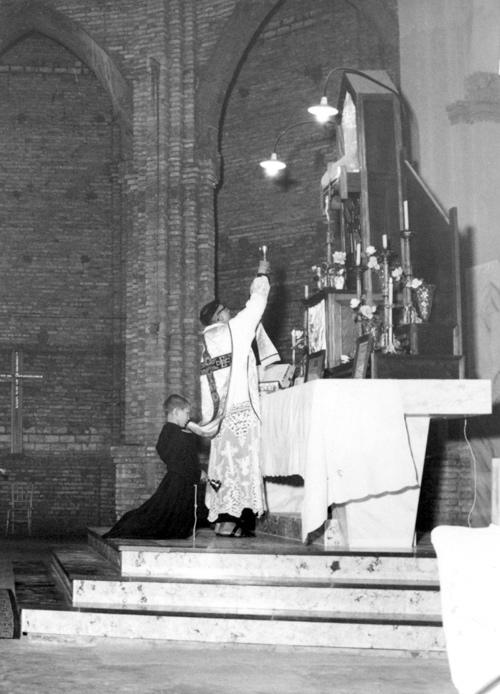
(283, 73)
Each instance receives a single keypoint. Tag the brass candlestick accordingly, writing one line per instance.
(388, 298)
(409, 314)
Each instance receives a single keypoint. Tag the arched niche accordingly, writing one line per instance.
(26, 17)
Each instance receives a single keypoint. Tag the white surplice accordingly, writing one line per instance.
(235, 451)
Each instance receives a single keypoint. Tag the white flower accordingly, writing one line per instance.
(367, 311)
(370, 250)
(339, 257)
(415, 283)
(397, 273)
(355, 303)
(372, 263)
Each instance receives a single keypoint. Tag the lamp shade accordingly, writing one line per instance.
(323, 111)
(272, 165)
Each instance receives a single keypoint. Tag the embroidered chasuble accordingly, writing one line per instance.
(229, 390)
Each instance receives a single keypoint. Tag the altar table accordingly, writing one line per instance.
(359, 445)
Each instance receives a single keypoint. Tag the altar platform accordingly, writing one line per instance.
(262, 590)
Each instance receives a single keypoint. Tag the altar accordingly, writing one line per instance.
(358, 445)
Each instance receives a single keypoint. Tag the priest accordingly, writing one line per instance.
(230, 400)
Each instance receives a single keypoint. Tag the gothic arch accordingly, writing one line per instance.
(31, 15)
(222, 68)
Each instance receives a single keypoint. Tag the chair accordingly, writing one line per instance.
(20, 506)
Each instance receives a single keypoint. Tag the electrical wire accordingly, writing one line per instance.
(474, 473)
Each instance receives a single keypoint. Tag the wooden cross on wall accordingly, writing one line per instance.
(16, 377)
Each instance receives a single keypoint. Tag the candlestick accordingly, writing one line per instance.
(405, 215)
(384, 241)
(408, 308)
(358, 254)
(359, 288)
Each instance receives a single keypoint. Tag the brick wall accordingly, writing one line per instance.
(71, 490)
(58, 281)
(284, 74)
(101, 253)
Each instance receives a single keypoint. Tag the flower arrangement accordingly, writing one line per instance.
(369, 318)
(415, 283)
(375, 261)
(331, 275)
(363, 311)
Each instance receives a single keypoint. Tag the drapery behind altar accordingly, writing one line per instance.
(346, 438)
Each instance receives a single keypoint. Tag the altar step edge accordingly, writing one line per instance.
(296, 562)
(329, 631)
(229, 593)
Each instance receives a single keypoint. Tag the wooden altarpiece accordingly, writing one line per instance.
(372, 192)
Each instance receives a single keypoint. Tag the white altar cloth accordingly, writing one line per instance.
(361, 443)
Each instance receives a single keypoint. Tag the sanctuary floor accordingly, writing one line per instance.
(146, 667)
(120, 665)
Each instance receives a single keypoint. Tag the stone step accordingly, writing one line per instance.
(89, 581)
(341, 609)
(293, 560)
(9, 612)
(276, 627)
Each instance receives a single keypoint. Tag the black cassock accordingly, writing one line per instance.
(169, 513)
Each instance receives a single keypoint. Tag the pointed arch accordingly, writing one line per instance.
(237, 37)
(33, 16)
(220, 72)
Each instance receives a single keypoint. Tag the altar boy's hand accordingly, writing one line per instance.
(208, 431)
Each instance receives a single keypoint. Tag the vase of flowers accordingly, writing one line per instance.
(339, 282)
(331, 274)
(369, 319)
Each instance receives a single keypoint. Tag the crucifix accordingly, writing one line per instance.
(16, 377)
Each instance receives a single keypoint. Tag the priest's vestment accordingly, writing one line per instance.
(229, 386)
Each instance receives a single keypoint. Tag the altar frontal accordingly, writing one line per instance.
(360, 445)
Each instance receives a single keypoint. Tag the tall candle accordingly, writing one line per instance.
(390, 292)
(358, 254)
(405, 215)
(306, 291)
(384, 241)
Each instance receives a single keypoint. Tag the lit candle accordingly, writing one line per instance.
(405, 215)
(384, 241)
(358, 254)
